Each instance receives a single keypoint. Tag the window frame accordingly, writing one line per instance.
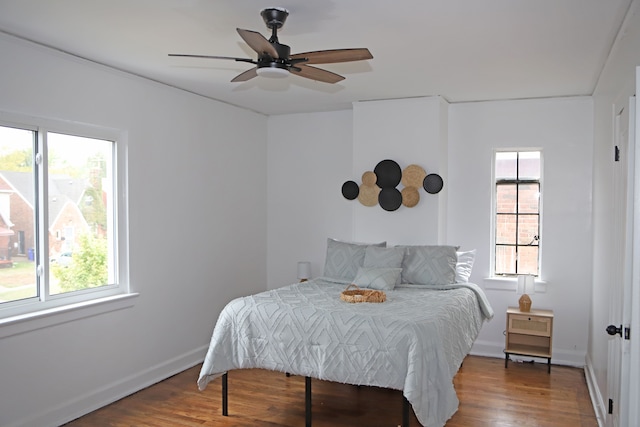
(45, 305)
(494, 210)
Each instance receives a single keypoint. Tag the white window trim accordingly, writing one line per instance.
(500, 283)
(35, 320)
(31, 314)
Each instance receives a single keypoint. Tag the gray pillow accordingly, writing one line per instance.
(377, 278)
(344, 258)
(375, 256)
(429, 265)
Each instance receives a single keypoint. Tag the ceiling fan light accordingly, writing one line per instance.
(272, 72)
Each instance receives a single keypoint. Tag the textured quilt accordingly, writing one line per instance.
(414, 342)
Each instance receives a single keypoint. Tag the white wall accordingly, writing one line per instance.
(562, 128)
(310, 156)
(615, 85)
(197, 199)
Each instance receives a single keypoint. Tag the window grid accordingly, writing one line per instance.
(517, 224)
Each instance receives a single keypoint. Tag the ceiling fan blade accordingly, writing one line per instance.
(318, 74)
(333, 56)
(258, 43)
(247, 75)
(213, 57)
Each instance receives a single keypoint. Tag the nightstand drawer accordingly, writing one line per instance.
(530, 325)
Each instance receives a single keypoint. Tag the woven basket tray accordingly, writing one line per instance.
(362, 295)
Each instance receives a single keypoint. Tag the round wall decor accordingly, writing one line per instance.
(390, 199)
(410, 196)
(368, 195)
(388, 174)
(413, 176)
(350, 190)
(433, 183)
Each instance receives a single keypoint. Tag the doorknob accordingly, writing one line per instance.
(613, 330)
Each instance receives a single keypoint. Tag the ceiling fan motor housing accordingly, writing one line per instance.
(284, 51)
(274, 17)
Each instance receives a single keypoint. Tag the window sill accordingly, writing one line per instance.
(510, 284)
(54, 316)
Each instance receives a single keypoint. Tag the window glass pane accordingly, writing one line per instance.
(506, 198)
(505, 260)
(528, 260)
(528, 197)
(506, 229)
(506, 165)
(529, 165)
(17, 266)
(79, 207)
(528, 230)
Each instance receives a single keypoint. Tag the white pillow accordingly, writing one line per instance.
(464, 265)
(377, 278)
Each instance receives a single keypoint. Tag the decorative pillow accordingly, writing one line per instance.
(464, 265)
(375, 256)
(377, 278)
(344, 258)
(429, 265)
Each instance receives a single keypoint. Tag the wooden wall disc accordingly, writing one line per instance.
(368, 195)
(410, 196)
(413, 176)
(369, 178)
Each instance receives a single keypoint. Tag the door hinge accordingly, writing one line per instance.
(611, 406)
(616, 155)
(627, 333)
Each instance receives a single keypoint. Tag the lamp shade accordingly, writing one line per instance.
(304, 270)
(526, 285)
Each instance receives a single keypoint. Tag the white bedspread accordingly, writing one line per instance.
(415, 341)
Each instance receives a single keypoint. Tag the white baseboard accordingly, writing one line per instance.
(109, 393)
(594, 392)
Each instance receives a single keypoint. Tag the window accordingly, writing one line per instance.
(517, 212)
(61, 231)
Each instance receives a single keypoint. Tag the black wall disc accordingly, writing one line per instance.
(390, 199)
(432, 183)
(350, 190)
(388, 174)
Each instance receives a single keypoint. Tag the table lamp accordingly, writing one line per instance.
(526, 286)
(304, 271)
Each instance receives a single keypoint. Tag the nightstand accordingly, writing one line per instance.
(529, 334)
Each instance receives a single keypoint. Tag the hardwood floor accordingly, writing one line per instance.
(490, 396)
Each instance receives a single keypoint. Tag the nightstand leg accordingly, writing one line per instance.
(548, 365)
(506, 360)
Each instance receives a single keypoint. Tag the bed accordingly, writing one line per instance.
(415, 341)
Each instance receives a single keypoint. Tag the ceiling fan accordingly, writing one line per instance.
(275, 59)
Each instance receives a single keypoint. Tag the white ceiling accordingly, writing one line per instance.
(462, 50)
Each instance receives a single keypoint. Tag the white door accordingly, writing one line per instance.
(618, 230)
(630, 385)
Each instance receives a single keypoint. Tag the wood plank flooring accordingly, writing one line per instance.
(490, 396)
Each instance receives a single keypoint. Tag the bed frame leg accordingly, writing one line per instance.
(307, 401)
(225, 395)
(405, 411)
